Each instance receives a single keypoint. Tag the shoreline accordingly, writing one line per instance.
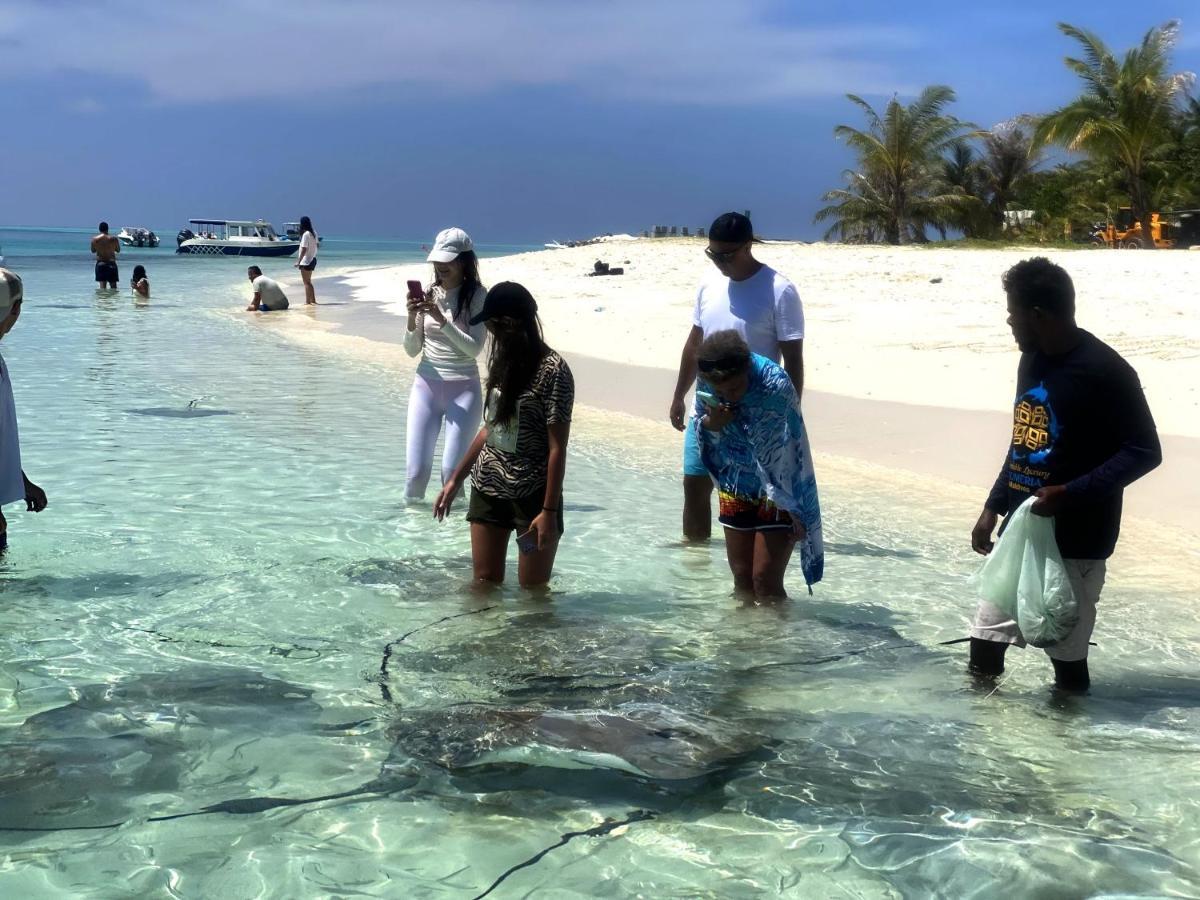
(916, 326)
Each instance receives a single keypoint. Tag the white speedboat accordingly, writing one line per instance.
(226, 237)
(137, 237)
(292, 230)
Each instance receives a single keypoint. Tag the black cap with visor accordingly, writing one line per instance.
(507, 299)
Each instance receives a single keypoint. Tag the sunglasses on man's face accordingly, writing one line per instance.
(720, 256)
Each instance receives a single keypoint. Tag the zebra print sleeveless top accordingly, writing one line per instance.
(512, 463)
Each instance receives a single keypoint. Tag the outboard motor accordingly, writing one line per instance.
(185, 234)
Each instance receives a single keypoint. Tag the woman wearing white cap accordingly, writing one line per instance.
(446, 387)
(14, 485)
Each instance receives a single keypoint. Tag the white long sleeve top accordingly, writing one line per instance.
(448, 352)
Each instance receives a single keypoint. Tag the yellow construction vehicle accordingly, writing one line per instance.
(1124, 233)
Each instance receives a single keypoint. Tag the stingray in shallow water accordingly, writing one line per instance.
(647, 740)
(204, 732)
(410, 572)
(862, 548)
(210, 740)
(97, 584)
(169, 412)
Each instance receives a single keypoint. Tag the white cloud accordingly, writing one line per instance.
(683, 51)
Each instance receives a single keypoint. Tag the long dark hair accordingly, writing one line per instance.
(306, 225)
(470, 282)
(514, 358)
(139, 272)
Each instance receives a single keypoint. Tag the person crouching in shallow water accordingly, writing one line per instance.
(753, 443)
(519, 457)
(268, 295)
(14, 485)
(1082, 432)
(140, 283)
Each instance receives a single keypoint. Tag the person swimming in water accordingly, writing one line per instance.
(140, 283)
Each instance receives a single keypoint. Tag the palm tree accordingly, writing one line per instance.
(1187, 155)
(1071, 197)
(1009, 156)
(962, 173)
(1124, 115)
(860, 210)
(895, 193)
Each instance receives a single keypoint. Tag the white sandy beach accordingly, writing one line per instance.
(877, 325)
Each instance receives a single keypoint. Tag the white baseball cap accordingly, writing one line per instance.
(449, 244)
(10, 291)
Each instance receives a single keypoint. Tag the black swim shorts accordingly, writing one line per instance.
(309, 265)
(106, 272)
(505, 513)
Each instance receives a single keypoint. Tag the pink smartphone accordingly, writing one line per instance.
(527, 542)
(415, 289)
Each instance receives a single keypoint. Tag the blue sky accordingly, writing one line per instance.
(517, 119)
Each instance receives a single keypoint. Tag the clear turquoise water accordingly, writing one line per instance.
(202, 615)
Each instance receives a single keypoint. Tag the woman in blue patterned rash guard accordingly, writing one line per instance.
(753, 444)
(518, 459)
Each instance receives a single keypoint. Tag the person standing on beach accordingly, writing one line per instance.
(764, 308)
(268, 295)
(752, 441)
(446, 387)
(307, 261)
(106, 247)
(14, 485)
(1082, 432)
(518, 460)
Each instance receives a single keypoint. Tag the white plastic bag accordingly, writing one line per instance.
(1024, 576)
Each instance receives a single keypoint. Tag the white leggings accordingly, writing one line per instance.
(460, 403)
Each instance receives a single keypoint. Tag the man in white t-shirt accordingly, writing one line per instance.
(760, 304)
(268, 295)
(14, 485)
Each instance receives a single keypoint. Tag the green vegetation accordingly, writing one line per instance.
(920, 168)
(897, 192)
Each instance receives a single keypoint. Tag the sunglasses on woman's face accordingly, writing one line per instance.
(503, 323)
(722, 369)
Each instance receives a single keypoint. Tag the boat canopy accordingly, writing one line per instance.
(228, 222)
(233, 229)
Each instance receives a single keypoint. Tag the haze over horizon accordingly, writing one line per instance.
(523, 121)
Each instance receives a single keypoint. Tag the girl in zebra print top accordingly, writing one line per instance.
(518, 459)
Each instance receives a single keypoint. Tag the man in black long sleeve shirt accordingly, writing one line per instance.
(1082, 432)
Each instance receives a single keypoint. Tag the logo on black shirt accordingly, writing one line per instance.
(1035, 427)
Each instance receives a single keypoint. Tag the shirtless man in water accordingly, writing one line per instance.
(106, 247)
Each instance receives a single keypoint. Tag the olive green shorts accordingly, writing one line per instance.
(503, 512)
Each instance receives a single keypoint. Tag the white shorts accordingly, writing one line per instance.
(1087, 580)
